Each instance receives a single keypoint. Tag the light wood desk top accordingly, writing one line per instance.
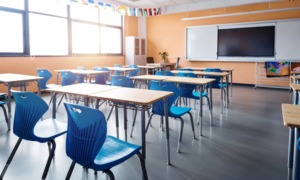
(291, 115)
(121, 69)
(149, 67)
(202, 73)
(295, 72)
(80, 71)
(132, 95)
(150, 77)
(82, 89)
(203, 68)
(295, 87)
(189, 80)
(10, 77)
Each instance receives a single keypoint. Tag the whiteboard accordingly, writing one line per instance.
(201, 43)
(288, 40)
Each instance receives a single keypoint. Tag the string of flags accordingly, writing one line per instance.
(123, 10)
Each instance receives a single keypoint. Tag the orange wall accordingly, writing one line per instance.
(167, 33)
(28, 65)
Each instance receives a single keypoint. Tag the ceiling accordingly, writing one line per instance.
(174, 6)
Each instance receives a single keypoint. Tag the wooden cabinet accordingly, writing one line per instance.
(135, 50)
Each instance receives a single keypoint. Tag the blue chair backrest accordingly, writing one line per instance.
(122, 81)
(68, 78)
(86, 133)
(46, 77)
(118, 72)
(98, 68)
(158, 106)
(134, 73)
(80, 77)
(164, 73)
(215, 84)
(29, 110)
(187, 89)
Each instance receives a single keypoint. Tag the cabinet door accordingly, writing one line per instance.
(136, 46)
(288, 40)
(143, 47)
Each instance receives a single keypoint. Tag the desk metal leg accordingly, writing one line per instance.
(54, 105)
(211, 107)
(296, 156)
(117, 120)
(230, 83)
(200, 109)
(125, 122)
(227, 91)
(167, 130)
(221, 103)
(291, 148)
(9, 103)
(143, 131)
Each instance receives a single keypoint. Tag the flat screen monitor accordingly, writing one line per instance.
(247, 42)
(277, 69)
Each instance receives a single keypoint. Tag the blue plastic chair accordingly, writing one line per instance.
(81, 78)
(88, 144)
(2, 105)
(101, 76)
(67, 78)
(164, 73)
(134, 73)
(174, 111)
(185, 69)
(118, 73)
(123, 81)
(27, 125)
(217, 83)
(188, 91)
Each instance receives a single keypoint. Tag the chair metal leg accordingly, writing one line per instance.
(180, 135)
(149, 122)
(6, 117)
(10, 157)
(143, 165)
(51, 155)
(110, 174)
(70, 170)
(192, 123)
(135, 113)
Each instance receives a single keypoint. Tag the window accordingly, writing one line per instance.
(110, 40)
(17, 4)
(55, 28)
(48, 35)
(11, 33)
(85, 38)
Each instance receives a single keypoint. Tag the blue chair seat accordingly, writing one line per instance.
(48, 129)
(197, 94)
(176, 111)
(223, 85)
(113, 152)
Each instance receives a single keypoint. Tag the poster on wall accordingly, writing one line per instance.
(277, 69)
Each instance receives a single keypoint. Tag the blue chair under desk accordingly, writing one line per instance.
(173, 111)
(87, 142)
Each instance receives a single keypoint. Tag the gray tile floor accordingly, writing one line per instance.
(248, 141)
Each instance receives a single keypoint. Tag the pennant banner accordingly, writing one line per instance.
(124, 11)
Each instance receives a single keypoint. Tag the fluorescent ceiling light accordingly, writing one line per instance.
(242, 13)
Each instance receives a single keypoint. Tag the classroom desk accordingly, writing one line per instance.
(147, 68)
(291, 119)
(200, 82)
(142, 97)
(11, 78)
(225, 70)
(83, 89)
(148, 78)
(88, 73)
(125, 70)
(216, 74)
(295, 79)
